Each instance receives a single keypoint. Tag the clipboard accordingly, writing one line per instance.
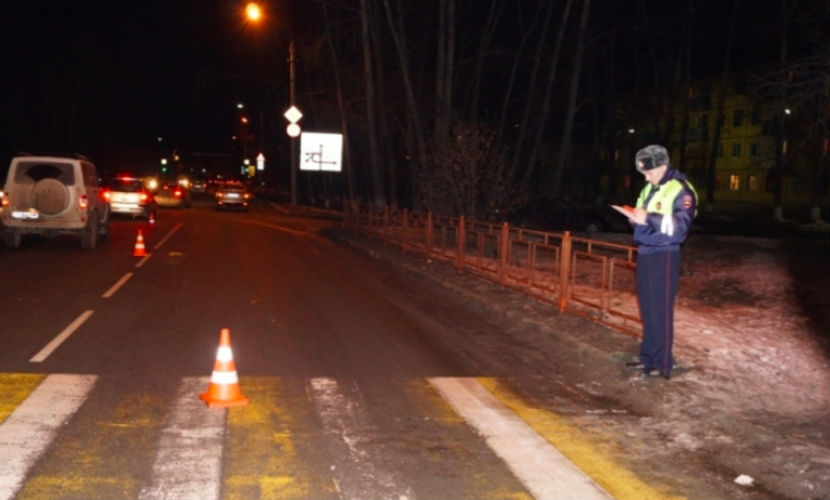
(626, 210)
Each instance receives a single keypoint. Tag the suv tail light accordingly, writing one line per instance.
(83, 202)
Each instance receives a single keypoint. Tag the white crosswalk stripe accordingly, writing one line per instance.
(541, 467)
(193, 441)
(189, 459)
(347, 423)
(32, 426)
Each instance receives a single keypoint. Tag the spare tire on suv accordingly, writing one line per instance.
(50, 196)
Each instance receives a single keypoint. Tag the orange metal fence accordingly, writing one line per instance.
(590, 277)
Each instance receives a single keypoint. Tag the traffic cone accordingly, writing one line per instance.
(139, 250)
(224, 385)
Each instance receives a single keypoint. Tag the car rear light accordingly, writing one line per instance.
(83, 202)
(106, 195)
(177, 193)
(143, 197)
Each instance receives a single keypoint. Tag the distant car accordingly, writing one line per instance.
(129, 195)
(199, 186)
(232, 194)
(53, 195)
(172, 193)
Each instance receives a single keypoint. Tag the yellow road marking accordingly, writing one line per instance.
(262, 458)
(96, 459)
(578, 447)
(16, 387)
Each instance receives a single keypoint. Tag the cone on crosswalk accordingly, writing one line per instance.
(139, 250)
(224, 391)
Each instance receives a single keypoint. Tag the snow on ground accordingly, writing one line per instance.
(750, 397)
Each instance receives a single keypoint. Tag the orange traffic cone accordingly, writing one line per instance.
(139, 250)
(224, 385)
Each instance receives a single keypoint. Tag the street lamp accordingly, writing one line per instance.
(254, 13)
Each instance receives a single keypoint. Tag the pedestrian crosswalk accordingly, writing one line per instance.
(72, 436)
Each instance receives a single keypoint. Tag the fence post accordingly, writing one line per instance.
(504, 246)
(429, 234)
(404, 228)
(564, 271)
(459, 237)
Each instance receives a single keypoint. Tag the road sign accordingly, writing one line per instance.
(321, 151)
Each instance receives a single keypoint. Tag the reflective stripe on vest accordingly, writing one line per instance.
(663, 201)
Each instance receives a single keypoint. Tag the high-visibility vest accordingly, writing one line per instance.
(663, 200)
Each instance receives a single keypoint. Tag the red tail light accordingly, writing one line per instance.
(143, 197)
(106, 195)
(83, 202)
(177, 193)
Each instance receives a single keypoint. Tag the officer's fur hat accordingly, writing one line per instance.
(650, 157)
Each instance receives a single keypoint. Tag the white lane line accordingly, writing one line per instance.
(167, 237)
(32, 426)
(62, 336)
(114, 288)
(357, 471)
(189, 459)
(543, 469)
(142, 261)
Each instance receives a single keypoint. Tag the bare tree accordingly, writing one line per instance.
(344, 122)
(576, 72)
(720, 100)
(369, 78)
(395, 24)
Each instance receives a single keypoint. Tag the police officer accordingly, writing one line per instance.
(661, 220)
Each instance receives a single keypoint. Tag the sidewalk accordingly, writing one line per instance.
(752, 395)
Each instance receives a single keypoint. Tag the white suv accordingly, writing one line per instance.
(52, 195)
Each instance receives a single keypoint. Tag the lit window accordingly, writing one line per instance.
(784, 147)
(734, 182)
(752, 183)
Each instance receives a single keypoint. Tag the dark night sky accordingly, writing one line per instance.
(175, 68)
(169, 68)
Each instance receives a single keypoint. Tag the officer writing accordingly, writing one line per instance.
(661, 220)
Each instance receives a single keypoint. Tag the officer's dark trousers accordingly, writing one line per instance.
(657, 275)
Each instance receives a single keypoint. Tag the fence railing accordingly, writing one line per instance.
(590, 277)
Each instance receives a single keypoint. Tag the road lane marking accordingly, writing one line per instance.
(189, 459)
(543, 469)
(167, 236)
(114, 288)
(29, 429)
(573, 443)
(61, 337)
(144, 259)
(346, 423)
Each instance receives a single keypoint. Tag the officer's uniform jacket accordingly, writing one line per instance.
(671, 207)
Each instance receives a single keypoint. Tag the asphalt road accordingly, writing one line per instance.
(364, 380)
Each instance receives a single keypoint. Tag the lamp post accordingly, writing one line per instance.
(293, 167)
(254, 13)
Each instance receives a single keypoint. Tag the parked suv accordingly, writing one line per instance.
(53, 195)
